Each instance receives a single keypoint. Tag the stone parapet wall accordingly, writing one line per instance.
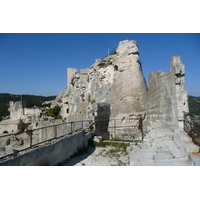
(53, 153)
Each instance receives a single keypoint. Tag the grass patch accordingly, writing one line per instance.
(113, 153)
(118, 147)
(102, 153)
(93, 101)
(118, 140)
(121, 163)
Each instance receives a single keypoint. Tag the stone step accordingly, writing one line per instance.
(195, 160)
(175, 152)
(173, 162)
(159, 134)
(149, 157)
(161, 148)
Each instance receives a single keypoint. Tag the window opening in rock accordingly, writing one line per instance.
(116, 68)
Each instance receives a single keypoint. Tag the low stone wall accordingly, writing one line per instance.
(53, 153)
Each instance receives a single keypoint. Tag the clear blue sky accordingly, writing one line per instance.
(35, 63)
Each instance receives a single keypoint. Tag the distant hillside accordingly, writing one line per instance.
(29, 100)
(194, 105)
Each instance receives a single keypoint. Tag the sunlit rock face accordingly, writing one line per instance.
(117, 80)
(167, 97)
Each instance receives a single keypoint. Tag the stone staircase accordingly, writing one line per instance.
(164, 148)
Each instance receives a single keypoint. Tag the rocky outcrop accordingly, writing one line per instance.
(180, 95)
(167, 97)
(116, 80)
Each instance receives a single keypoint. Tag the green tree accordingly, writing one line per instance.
(54, 112)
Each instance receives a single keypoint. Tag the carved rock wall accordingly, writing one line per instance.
(167, 97)
(116, 80)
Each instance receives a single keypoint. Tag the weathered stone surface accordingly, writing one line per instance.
(116, 80)
(167, 97)
(114, 88)
(160, 149)
(127, 46)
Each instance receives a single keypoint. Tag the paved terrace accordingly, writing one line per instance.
(164, 148)
(159, 148)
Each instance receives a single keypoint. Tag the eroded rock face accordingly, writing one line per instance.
(116, 80)
(167, 97)
(180, 93)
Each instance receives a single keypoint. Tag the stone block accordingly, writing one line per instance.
(175, 152)
(195, 159)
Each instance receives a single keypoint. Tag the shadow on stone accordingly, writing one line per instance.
(102, 120)
(81, 155)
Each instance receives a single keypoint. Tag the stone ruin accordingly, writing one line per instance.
(114, 87)
(167, 97)
(113, 93)
(19, 115)
(22, 118)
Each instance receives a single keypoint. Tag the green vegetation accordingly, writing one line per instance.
(197, 127)
(29, 132)
(93, 101)
(115, 52)
(32, 100)
(28, 100)
(54, 112)
(118, 147)
(194, 105)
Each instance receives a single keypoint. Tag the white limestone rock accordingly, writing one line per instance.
(116, 80)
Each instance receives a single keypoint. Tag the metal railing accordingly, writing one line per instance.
(192, 126)
(121, 129)
(16, 143)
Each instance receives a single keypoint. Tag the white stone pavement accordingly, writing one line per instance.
(165, 148)
(159, 148)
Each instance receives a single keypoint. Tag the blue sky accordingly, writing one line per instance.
(35, 63)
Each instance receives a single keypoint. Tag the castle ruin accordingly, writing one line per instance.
(117, 81)
(114, 87)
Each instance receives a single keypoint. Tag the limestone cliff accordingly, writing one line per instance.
(116, 80)
(114, 88)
